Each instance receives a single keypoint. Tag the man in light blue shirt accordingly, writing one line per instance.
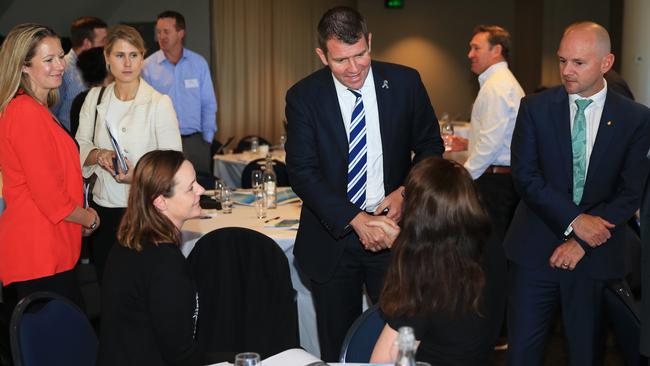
(184, 76)
(85, 33)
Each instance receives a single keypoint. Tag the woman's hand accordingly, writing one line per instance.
(89, 229)
(125, 178)
(389, 227)
(105, 160)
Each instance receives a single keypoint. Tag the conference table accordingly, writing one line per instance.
(229, 167)
(244, 216)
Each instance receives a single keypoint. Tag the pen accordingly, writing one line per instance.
(271, 219)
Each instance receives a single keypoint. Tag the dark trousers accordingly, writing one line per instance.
(534, 297)
(500, 198)
(103, 239)
(197, 151)
(64, 284)
(338, 301)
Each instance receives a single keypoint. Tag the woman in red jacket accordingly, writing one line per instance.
(40, 231)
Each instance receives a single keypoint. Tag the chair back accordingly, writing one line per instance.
(47, 329)
(624, 315)
(246, 297)
(245, 143)
(362, 336)
(280, 168)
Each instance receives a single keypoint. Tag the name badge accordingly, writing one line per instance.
(192, 83)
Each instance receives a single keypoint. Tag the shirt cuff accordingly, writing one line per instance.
(569, 229)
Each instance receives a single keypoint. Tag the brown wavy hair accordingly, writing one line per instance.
(435, 259)
(153, 177)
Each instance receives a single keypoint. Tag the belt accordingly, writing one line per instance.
(498, 169)
(191, 134)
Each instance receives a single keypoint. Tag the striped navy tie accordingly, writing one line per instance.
(358, 156)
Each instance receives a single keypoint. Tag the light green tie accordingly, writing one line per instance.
(579, 147)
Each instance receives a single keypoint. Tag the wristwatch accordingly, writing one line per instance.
(93, 226)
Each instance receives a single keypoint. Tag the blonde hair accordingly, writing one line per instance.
(17, 51)
(125, 33)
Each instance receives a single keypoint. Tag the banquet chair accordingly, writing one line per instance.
(47, 329)
(245, 143)
(279, 167)
(246, 297)
(624, 315)
(362, 336)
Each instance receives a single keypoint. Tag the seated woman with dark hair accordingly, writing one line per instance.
(434, 282)
(149, 301)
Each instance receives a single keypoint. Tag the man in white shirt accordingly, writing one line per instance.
(85, 33)
(493, 119)
(579, 165)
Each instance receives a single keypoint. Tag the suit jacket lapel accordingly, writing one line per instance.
(603, 137)
(333, 116)
(561, 117)
(384, 92)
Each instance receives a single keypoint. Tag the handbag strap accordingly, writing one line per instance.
(99, 100)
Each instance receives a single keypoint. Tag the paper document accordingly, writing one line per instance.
(118, 152)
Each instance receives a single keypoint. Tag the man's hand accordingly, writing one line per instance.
(390, 228)
(394, 203)
(458, 143)
(594, 230)
(373, 238)
(567, 255)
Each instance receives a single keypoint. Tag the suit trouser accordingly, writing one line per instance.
(197, 151)
(338, 301)
(103, 239)
(499, 195)
(533, 298)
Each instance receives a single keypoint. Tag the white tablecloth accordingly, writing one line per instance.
(244, 216)
(229, 167)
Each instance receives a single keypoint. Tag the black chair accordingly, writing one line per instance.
(246, 297)
(47, 329)
(279, 167)
(624, 315)
(362, 336)
(245, 143)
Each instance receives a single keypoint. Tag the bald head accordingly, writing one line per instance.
(593, 33)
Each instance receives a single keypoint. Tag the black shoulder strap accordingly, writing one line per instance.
(99, 100)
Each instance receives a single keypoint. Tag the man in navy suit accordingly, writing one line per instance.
(352, 127)
(579, 164)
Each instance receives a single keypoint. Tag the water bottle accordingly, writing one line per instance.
(446, 130)
(255, 144)
(406, 344)
(269, 182)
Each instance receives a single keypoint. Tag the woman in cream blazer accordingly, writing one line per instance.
(140, 119)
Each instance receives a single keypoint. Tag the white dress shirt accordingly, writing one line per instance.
(593, 112)
(493, 119)
(375, 173)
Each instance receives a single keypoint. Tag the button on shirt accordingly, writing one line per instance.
(189, 85)
(375, 173)
(493, 119)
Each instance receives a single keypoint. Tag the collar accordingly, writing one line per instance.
(162, 58)
(491, 70)
(598, 98)
(368, 85)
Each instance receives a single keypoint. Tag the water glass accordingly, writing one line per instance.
(447, 135)
(247, 359)
(260, 204)
(256, 180)
(255, 144)
(226, 200)
(218, 189)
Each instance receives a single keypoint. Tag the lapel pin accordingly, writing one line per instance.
(385, 84)
(609, 123)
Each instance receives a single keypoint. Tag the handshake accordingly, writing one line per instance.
(375, 232)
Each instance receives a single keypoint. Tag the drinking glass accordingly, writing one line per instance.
(218, 189)
(255, 144)
(226, 200)
(256, 180)
(447, 135)
(260, 204)
(247, 359)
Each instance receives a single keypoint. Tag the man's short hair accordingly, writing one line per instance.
(341, 23)
(84, 28)
(496, 36)
(180, 19)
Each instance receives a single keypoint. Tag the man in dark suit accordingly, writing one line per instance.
(578, 160)
(351, 129)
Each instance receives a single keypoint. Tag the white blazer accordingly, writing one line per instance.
(149, 124)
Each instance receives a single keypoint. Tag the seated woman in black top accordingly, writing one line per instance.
(434, 282)
(149, 302)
